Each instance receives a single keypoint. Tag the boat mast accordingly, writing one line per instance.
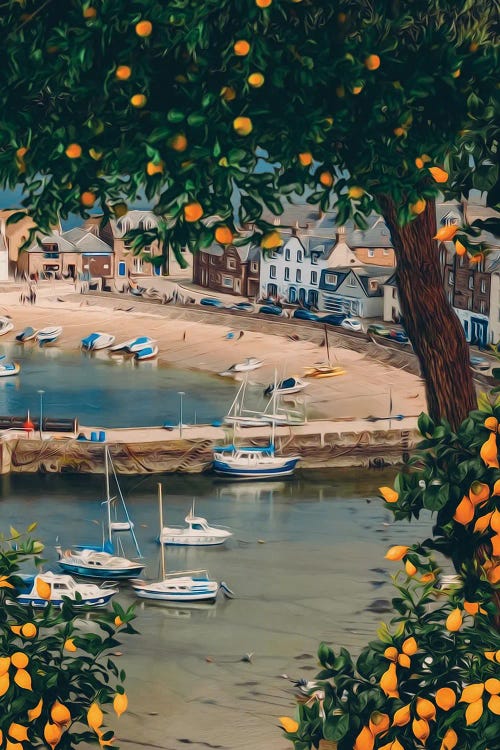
(327, 346)
(160, 504)
(108, 494)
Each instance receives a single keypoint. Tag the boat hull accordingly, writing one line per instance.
(192, 542)
(92, 572)
(226, 469)
(93, 601)
(11, 371)
(157, 595)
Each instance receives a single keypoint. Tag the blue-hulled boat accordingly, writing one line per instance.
(28, 334)
(149, 352)
(48, 335)
(64, 586)
(133, 345)
(97, 340)
(8, 369)
(252, 463)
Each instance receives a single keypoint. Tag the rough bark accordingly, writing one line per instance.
(432, 326)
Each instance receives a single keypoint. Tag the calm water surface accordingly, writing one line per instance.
(109, 391)
(306, 563)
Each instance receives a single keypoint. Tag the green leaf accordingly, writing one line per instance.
(335, 727)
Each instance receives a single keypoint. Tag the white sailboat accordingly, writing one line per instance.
(98, 562)
(197, 533)
(325, 370)
(273, 413)
(180, 586)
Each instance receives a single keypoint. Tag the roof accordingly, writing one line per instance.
(391, 281)
(63, 245)
(340, 254)
(365, 274)
(377, 234)
(300, 215)
(87, 241)
(135, 219)
(446, 209)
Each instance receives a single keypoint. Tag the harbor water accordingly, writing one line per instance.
(306, 563)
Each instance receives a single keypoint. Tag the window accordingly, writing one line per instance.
(272, 272)
(373, 285)
(483, 286)
(471, 282)
(213, 260)
(314, 259)
(469, 303)
(292, 294)
(299, 256)
(450, 297)
(314, 277)
(371, 252)
(287, 274)
(287, 254)
(254, 267)
(386, 251)
(351, 281)
(451, 278)
(330, 278)
(273, 255)
(138, 265)
(298, 275)
(482, 306)
(231, 264)
(227, 281)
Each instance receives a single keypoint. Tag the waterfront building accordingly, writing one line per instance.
(229, 269)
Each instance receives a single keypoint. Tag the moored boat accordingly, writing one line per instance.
(48, 335)
(133, 345)
(149, 352)
(8, 369)
(59, 586)
(97, 564)
(252, 463)
(285, 387)
(197, 533)
(28, 334)
(6, 325)
(97, 340)
(249, 364)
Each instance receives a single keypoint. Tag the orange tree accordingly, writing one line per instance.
(432, 677)
(54, 677)
(366, 104)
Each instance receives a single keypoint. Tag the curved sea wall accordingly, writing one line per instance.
(320, 444)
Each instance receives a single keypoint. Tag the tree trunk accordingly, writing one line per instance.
(165, 264)
(432, 326)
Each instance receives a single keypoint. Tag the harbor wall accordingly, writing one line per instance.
(320, 445)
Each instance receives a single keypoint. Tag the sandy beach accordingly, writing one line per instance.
(366, 388)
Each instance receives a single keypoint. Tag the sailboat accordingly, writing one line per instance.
(271, 414)
(101, 562)
(326, 370)
(197, 533)
(180, 586)
(235, 462)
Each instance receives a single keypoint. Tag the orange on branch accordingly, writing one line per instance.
(326, 179)
(263, 3)
(120, 703)
(410, 646)
(460, 249)
(228, 93)
(19, 660)
(271, 240)
(73, 151)
(426, 709)
(418, 207)
(69, 645)
(87, 199)
(60, 714)
(52, 734)
(399, 132)
(364, 740)
(123, 72)
(389, 495)
(489, 452)
(256, 80)
(242, 125)
(372, 62)
(224, 235)
(178, 142)
(419, 163)
(29, 630)
(241, 48)
(446, 233)
(456, 73)
(439, 174)
(144, 28)
(454, 620)
(445, 698)
(479, 492)
(401, 717)
(193, 212)
(138, 101)
(397, 552)
(89, 12)
(23, 679)
(94, 717)
(355, 192)
(288, 724)
(474, 712)
(152, 168)
(35, 712)
(357, 90)
(305, 159)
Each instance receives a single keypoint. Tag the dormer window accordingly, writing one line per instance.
(314, 259)
(373, 285)
(287, 253)
(299, 256)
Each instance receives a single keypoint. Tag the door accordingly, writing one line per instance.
(479, 331)
(292, 295)
(313, 297)
(272, 290)
(122, 268)
(237, 286)
(302, 296)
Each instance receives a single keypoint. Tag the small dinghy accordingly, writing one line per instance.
(122, 525)
(8, 369)
(6, 325)
(289, 385)
(48, 335)
(59, 586)
(249, 364)
(197, 533)
(97, 340)
(133, 345)
(28, 334)
(149, 352)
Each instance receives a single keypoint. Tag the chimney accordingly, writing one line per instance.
(295, 229)
(340, 234)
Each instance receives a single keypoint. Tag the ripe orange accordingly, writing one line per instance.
(372, 62)
(263, 3)
(60, 714)
(69, 645)
(355, 192)
(123, 72)
(418, 207)
(178, 142)
(256, 80)
(271, 240)
(52, 734)
(152, 168)
(89, 13)
(144, 28)
(456, 73)
(439, 174)
(305, 158)
(193, 212)
(120, 703)
(460, 249)
(357, 90)
(73, 151)
(241, 48)
(29, 630)
(326, 179)
(398, 132)
(419, 163)
(87, 199)
(138, 100)
(224, 235)
(19, 660)
(228, 93)
(242, 125)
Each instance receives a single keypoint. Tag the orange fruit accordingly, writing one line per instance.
(120, 703)
(228, 93)
(243, 125)
(23, 679)
(456, 73)
(144, 28)
(464, 512)
(52, 734)
(364, 740)
(178, 142)
(410, 569)
(445, 698)
(372, 62)
(426, 709)
(223, 235)
(379, 722)
(404, 660)
(69, 645)
(89, 13)
(256, 80)
(138, 100)
(439, 174)
(118, 621)
(454, 620)
(123, 72)
(326, 179)
(391, 653)
(305, 158)
(410, 646)
(288, 724)
(263, 3)
(271, 240)
(473, 47)
(419, 163)
(60, 714)
(19, 660)
(241, 48)
(460, 248)
(397, 552)
(87, 198)
(29, 630)
(418, 207)
(444, 234)
(389, 680)
(389, 495)
(18, 732)
(398, 132)
(73, 151)
(355, 192)
(35, 712)
(357, 90)
(193, 212)
(489, 452)
(152, 168)
(401, 717)
(94, 717)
